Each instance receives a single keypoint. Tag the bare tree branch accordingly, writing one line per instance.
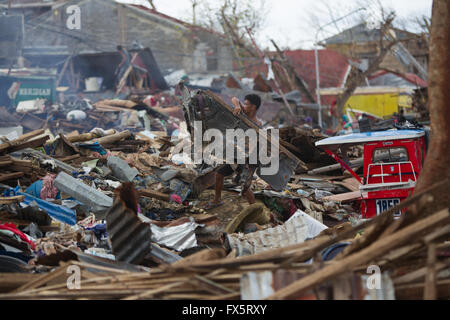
(299, 83)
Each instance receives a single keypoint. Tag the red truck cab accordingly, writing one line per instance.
(393, 160)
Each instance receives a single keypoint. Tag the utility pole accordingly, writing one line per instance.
(150, 2)
(194, 17)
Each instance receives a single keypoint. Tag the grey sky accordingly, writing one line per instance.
(293, 23)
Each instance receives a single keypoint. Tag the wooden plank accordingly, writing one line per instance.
(366, 255)
(69, 158)
(98, 267)
(344, 197)
(231, 296)
(106, 108)
(9, 200)
(400, 252)
(21, 139)
(430, 292)
(212, 286)
(9, 176)
(118, 103)
(418, 274)
(114, 137)
(415, 291)
(123, 80)
(86, 136)
(29, 144)
(30, 135)
(45, 278)
(439, 233)
(290, 146)
(12, 281)
(351, 183)
(154, 194)
(150, 293)
(25, 166)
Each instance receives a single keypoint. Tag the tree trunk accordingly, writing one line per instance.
(437, 162)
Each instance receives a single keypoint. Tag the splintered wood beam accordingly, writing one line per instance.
(154, 195)
(69, 158)
(9, 176)
(4, 146)
(419, 274)
(12, 281)
(29, 144)
(375, 250)
(113, 138)
(5, 163)
(430, 292)
(9, 200)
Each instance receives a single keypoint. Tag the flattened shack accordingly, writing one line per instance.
(36, 83)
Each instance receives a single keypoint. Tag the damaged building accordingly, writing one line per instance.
(105, 24)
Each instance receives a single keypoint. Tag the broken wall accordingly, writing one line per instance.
(106, 24)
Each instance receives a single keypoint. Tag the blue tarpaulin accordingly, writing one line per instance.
(35, 190)
(57, 212)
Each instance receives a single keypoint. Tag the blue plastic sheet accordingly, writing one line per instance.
(99, 231)
(332, 251)
(35, 190)
(57, 212)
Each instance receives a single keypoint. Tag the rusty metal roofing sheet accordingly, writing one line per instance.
(130, 237)
(214, 113)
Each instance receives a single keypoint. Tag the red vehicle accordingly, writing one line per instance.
(393, 160)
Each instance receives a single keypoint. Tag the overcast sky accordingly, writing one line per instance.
(293, 23)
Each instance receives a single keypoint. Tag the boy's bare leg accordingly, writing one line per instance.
(249, 196)
(247, 191)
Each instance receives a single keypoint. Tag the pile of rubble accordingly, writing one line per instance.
(128, 211)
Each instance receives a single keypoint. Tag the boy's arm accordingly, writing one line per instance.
(237, 106)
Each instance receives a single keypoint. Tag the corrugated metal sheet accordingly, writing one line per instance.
(130, 237)
(256, 285)
(296, 230)
(96, 200)
(260, 285)
(178, 238)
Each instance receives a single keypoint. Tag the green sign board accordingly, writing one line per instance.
(36, 88)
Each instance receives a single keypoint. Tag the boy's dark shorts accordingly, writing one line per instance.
(226, 170)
